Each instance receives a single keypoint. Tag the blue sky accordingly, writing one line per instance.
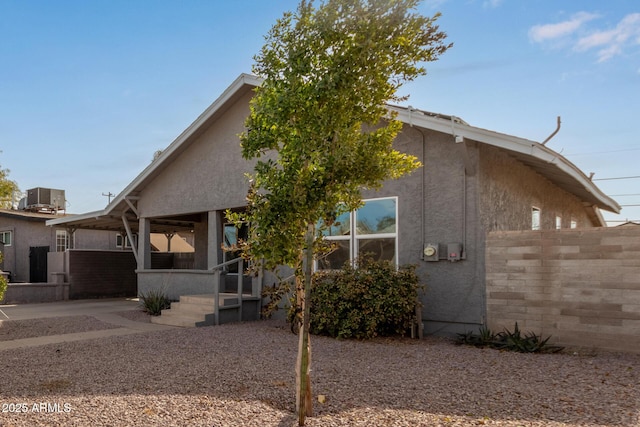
(89, 90)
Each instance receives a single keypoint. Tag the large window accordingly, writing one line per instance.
(5, 238)
(372, 230)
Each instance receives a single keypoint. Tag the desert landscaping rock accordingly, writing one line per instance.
(20, 329)
(243, 375)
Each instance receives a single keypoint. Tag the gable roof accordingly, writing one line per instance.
(545, 161)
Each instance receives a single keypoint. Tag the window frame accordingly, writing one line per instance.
(6, 233)
(67, 240)
(228, 254)
(127, 243)
(353, 237)
(536, 213)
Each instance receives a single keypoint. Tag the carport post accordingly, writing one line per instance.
(144, 244)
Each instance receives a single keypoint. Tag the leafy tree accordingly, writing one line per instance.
(9, 190)
(321, 132)
(3, 281)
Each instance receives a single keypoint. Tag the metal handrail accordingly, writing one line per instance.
(216, 288)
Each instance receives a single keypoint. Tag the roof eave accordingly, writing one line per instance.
(75, 218)
(509, 143)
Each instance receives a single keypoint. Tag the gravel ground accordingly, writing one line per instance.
(15, 330)
(243, 375)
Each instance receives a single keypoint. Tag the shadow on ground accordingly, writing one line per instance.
(254, 362)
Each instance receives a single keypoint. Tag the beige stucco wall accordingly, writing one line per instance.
(580, 286)
(510, 189)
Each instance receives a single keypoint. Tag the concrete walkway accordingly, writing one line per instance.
(101, 309)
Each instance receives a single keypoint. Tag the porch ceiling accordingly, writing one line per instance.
(115, 223)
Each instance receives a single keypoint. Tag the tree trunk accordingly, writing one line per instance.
(304, 402)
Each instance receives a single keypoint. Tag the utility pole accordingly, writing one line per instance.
(109, 195)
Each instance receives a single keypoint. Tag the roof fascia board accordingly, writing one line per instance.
(507, 142)
(74, 218)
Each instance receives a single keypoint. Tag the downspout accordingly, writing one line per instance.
(469, 169)
(423, 216)
(463, 253)
(422, 160)
(553, 134)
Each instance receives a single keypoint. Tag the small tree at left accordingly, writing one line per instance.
(3, 283)
(9, 190)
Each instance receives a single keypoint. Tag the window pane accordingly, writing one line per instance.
(230, 235)
(535, 219)
(61, 241)
(378, 249)
(336, 259)
(5, 237)
(376, 217)
(340, 227)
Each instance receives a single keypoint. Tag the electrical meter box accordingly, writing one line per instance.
(430, 252)
(454, 252)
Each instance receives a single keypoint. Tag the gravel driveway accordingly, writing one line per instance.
(243, 375)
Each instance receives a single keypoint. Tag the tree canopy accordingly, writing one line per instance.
(9, 190)
(319, 123)
(321, 131)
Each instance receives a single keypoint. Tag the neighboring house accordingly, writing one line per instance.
(26, 241)
(473, 181)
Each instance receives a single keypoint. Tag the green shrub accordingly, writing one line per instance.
(3, 282)
(371, 300)
(509, 340)
(154, 301)
(3, 287)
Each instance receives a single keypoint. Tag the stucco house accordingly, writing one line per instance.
(473, 181)
(27, 243)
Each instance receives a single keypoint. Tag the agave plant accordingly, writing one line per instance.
(154, 301)
(515, 340)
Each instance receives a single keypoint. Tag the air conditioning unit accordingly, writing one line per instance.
(45, 199)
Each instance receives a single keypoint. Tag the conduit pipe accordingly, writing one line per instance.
(553, 134)
(423, 178)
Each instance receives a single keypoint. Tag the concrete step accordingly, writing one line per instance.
(184, 306)
(208, 299)
(195, 310)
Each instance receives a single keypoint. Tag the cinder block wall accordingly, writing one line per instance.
(580, 286)
(101, 274)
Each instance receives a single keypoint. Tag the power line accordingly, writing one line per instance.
(620, 177)
(628, 206)
(623, 195)
(603, 152)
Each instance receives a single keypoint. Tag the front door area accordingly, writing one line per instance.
(38, 264)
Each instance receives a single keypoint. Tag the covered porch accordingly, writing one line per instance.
(207, 270)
